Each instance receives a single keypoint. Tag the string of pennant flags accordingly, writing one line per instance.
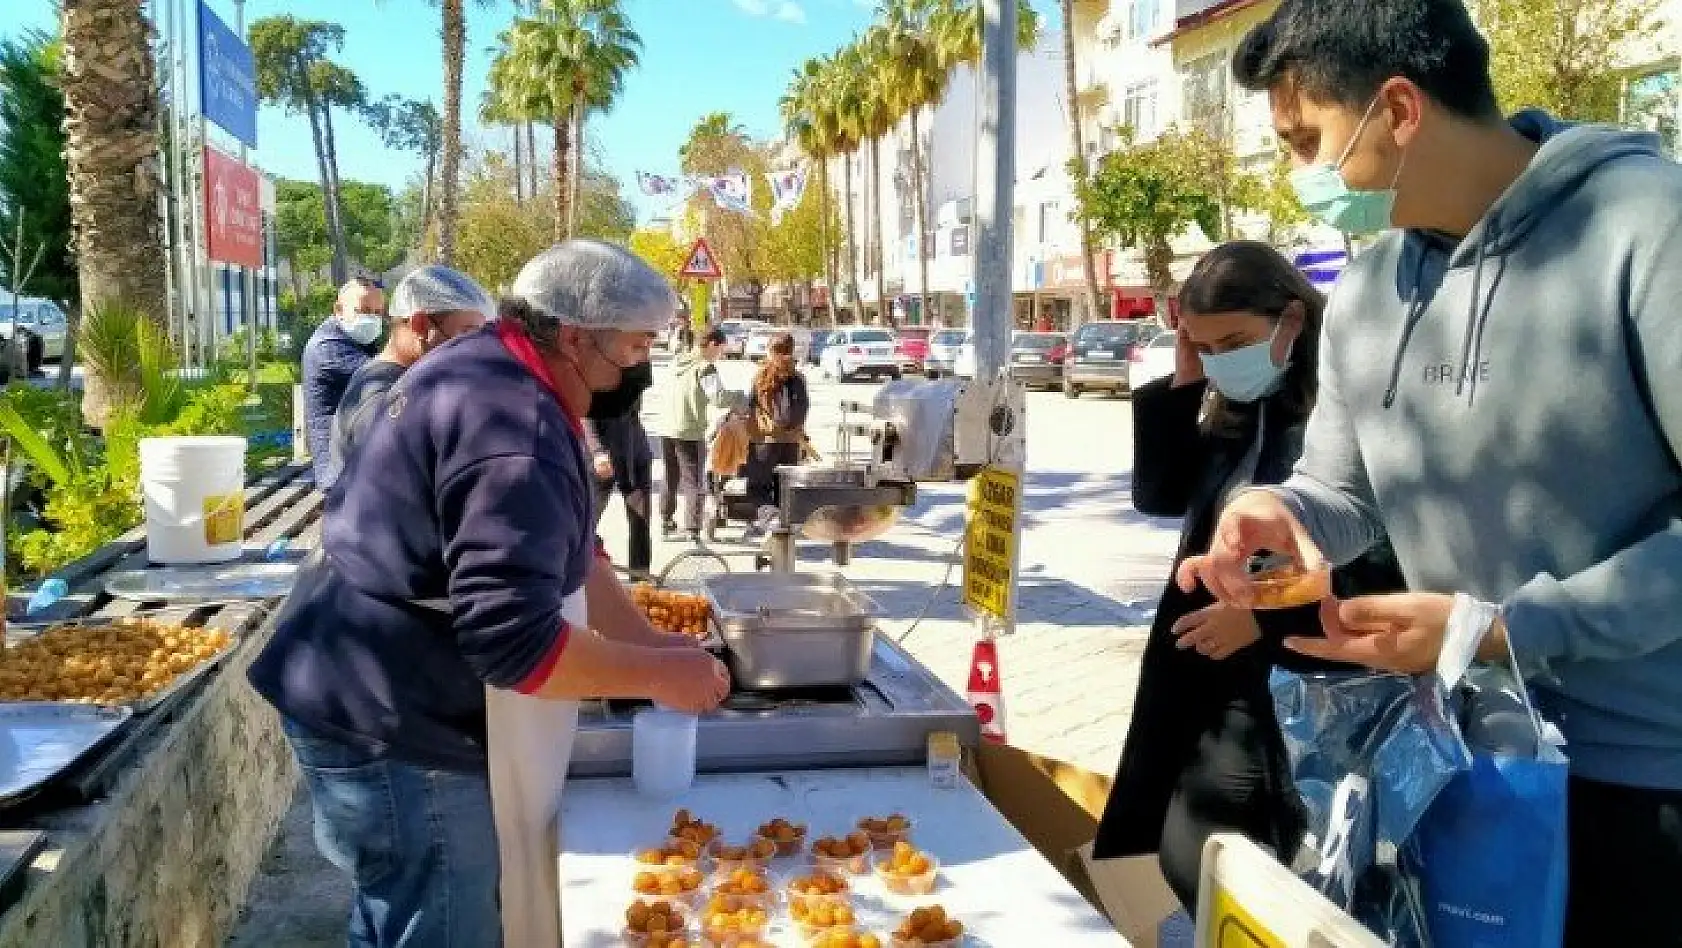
(731, 192)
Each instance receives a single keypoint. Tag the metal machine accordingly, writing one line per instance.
(918, 432)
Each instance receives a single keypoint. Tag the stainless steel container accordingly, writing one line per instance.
(793, 630)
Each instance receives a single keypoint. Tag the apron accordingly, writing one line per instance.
(529, 744)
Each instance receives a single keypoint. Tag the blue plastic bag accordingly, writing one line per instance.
(1492, 847)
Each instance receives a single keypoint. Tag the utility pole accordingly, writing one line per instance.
(247, 276)
(995, 186)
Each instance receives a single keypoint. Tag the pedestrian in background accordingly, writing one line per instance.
(334, 352)
(695, 389)
(1203, 752)
(778, 407)
(622, 461)
(429, 307)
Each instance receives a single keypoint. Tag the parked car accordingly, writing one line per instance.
(42, 326)
(758, 343)
(1036, 358)
(1099, 356)
(963, 364)
(913, 347)
(815, 348)
(860, 350)
(736, 332)
(944, 345)
(1151, 361)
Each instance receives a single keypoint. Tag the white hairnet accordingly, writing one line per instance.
(596, 285)
(436, 289)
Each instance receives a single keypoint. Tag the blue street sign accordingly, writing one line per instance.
(227, 78)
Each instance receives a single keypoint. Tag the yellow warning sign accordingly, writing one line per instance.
(990, 542)
(224, 516)
(1231, 926)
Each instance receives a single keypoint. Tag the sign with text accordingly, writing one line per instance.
(233, 211)
(227, 78)
(990, 542)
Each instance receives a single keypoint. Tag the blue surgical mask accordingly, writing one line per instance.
(1325, 194)
(364, 328)
(1245, 374)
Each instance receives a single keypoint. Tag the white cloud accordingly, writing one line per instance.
(787, 11)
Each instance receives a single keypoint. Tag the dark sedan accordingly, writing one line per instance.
(1099, 354)
(1036, 358)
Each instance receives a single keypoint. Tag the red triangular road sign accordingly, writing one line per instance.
(701, 264)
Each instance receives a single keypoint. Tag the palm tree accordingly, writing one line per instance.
(454, 32)
(111, 125)
(1077, 152)
(501, 106)
(575, 53)
(870, 117)
(921, 71)
(810, 122)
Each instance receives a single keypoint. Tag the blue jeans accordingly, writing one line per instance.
(419, 845)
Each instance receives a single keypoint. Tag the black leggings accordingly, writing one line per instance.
(685, 463)
(636, 520)
(1231, 784)
(1626, 866)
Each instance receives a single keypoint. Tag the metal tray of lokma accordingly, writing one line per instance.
(142, 704)
(41, 739)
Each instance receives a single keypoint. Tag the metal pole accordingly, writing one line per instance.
(166, 198)
(247, 276)
(186, 278)
(995, 184)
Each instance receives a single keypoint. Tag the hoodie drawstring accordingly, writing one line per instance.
(1477, 315)
(1416, 309)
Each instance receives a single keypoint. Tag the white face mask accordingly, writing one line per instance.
(363, 328)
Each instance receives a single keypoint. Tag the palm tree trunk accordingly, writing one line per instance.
(519, 169)
(455, 41)
(335, 199)
(531, 152)
(876, 232)
(852, 238)
(426, 195)
(824, 235)
(1071, 93)
(563, 159)
(577, 182)
(339, 267)
(920, 205)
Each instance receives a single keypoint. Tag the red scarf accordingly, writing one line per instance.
(525, 352)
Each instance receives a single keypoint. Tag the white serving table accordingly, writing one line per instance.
(991, 879)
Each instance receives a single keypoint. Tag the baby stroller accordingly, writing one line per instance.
(728, 444)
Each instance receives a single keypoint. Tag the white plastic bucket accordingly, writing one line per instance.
(195, 498)
(662, 752)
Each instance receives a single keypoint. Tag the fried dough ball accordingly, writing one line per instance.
(928, 925)
(120, 662)
(743, 882)
(673, 612)
(667, 882)
(817, 884)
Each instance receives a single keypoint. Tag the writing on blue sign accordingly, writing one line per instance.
(227, 78)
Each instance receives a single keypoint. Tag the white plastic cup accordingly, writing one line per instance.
(662, 752)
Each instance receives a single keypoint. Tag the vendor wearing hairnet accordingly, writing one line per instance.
(427, 664)
(430, 306)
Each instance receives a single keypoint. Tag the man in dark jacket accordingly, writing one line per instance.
(429, 307)
(334, 352)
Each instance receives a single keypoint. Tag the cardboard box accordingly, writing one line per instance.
(1056, 805)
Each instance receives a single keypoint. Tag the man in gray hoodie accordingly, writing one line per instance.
(1501, 394)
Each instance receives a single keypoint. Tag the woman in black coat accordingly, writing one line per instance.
(1203, 752)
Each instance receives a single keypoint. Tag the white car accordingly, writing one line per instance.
(944, 347)
(860, 350)
(1151, 361)
(759, 343)
(736, 332)
(963, 364)
(40, 318)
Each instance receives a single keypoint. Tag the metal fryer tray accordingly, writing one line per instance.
(788, 602)
(41, 739)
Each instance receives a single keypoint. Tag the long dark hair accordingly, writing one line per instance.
(778, 368)
(1247, 276)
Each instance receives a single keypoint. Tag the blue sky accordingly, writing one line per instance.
(699, 56)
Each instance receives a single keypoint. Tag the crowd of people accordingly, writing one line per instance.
(1480, 424)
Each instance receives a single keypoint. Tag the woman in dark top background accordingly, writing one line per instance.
(779, 407)
(623, 462)
(1203, 752)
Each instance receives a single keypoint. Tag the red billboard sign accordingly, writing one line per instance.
(233, 211)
